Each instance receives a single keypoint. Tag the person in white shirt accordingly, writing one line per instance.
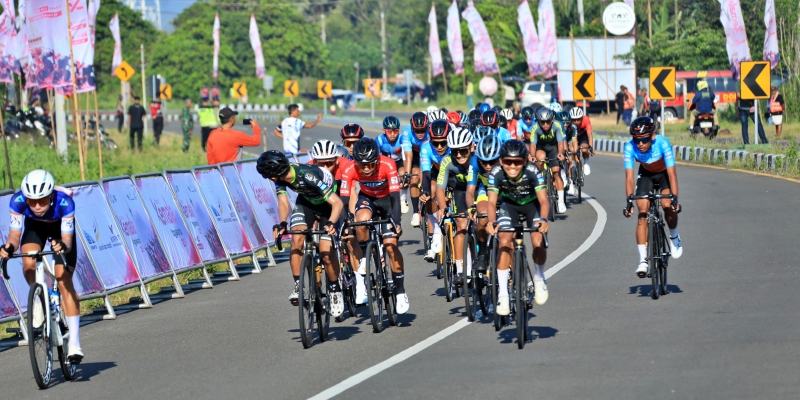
(290, 129)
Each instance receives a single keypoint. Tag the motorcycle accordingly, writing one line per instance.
(90, 129)
(704, 123)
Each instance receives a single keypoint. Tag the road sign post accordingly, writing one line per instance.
(324, 92)
(372, 89)
(408, 77)
(583, 87)
(754, 85)
(124, 71)
(291, 90)
(662, 87)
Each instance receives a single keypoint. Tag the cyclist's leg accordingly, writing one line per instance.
(330, 259)
(364, 210)
(69, 298)
(414, 189)
(671, 217)
(431, 207)
(505, 216)
(583, 142)
(644, 185)
(301, 218)
(540, 155)
(552, 159)
(460, 199)
(482, 205)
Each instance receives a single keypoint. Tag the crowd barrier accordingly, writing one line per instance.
(133, 230)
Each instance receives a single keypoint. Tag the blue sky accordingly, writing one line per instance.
(170, 9)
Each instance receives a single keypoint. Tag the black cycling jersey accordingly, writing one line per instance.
(312, 182)
(519, 191)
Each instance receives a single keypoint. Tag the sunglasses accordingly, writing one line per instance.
(545, 122)
(327, 163)
(439, 144)
(370, 165)
(461, 152)
(38, 202)
(349, 143)
(642, 139)
(394, 131)
(513, 162)
(489, 163)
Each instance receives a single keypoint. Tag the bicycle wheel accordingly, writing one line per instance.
(497, 319)
(520, 297)
(471, 294)
(423, 224)
(653, 257)
(579, 178)
(346, 282)
(40, 343)
(448, 264)
(67, 368)
(375, 283)
(323, 307)
(552, 195)
(662, 267)
(307, 302)
(390, 298)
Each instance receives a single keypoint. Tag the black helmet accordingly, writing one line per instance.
(444, 110)
(365, 151)
(643, 126)
(272, 163)
(419, 121)
(545, 114)
(489, 118)
(497, 108)
(474, 114)
(391, 122)
(478, 106)
(526, 112)
(502, 121)
(474, 124)
(439, 129)
(352, 131)
(514, 148)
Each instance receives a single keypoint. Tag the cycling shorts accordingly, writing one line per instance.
(306, 214)
(511, 214)
(381, 208)
(415, 159)
(649, 181)
(584, 139)
(459, 201)
(39, 231)
(399, 164)
(551, 153)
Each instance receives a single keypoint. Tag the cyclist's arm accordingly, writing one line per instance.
(630, 183)
(541, 192)
(336, 207)
(14, 237)
(66, 238)
(426, 181)
(492, 210)
(472, 180)
(672, 174)
(471, 195)
(628, 160)
(283, 206)
(425, 165)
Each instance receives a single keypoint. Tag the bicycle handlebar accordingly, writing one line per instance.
(279, 245)
(37, 254)
(519, 228)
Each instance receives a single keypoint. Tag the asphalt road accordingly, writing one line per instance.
(727, 329)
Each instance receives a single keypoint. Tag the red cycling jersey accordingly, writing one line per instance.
(512, 127)
(584, 127)
(341, 164)
(381, 183)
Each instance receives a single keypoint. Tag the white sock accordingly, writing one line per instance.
(403, 195)
(585, 161)
(673, 233)
(502, 282)
(538, 274)
(642, 252)
(460, 266)
(362, 265)
(561, 196)
(563, 175)
(74, 325)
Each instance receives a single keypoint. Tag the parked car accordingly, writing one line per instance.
(422, 93)
(538, 93)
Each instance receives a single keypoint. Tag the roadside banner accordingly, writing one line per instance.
(548, 47)
(82, 49)
(433, 44)
(738, 50)
(454, 42)
(255, 43)
(49, 42)
(215, 35)
(530, 39)
(485, 59)
(116, 60)
(194, 210)
(771, 52)
(261, 193)
(7, 307)
(242, 204)
(8, 39)
(222, 209)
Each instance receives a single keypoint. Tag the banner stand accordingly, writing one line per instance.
(23, 331)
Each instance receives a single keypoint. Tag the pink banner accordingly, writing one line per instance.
(49, 42)
(223, 210)
(116, 60)
(433, 44)
(25, 59)
(485, 59)
(530, 39)
(194, 210)
(733, 23)
(242, 205)
(255, 42)
(548, 48)
(82, 48)
(8, 39)
(771, 52)
(454, 38)
(215, 35)
(261, 193)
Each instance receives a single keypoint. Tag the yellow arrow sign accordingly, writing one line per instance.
(165, 92)
(239, 90)
(662, 83)
(124, 71)
(291, 89)
(583, 85)
(324, 89)
(754, 80)
(372, 88)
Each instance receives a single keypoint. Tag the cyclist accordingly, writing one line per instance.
(379, 197)
(430, 157)
(350, 134)
(517, 186)
(316, 203)
(491, 118)
(412, 138)
(464, 119)
(391, 145)
(437, 115)
(585, 137)
(656, 169)
(548, 139)
(458, 171)
(512, 123)
(46, 212)
(454, 118)
(488, 152)
(525, 126)
(481, 132)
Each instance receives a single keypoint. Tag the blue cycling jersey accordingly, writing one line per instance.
(657, 159)
(523, 127)
(388, 148)
(409, 139)
(503, 134)
(62, 209)
(429, 158)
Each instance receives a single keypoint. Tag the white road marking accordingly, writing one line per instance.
(354, 380)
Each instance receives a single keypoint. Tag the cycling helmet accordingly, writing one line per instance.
(482, 131)
(352, 131)
(507, 113)
(489, 118)
(642, 126)
(464, 117)
(460, 137)
(444, 110)
(545, 114)
(489, 148)
(419, 121)
(324, 149)
(478, 106)
(474, 124)
(556, 107)
(514, 148)
(454, 118)
(365, 151)
(436, 115)
(343, 151)
(391, 122)
(576, 113)
(439, 129)
(474, 114)
(502, 122)
(272, 163)
(484, 107)
(431, 109)
(527, 112)
(38, 184)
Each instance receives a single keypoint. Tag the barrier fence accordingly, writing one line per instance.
(133, 230)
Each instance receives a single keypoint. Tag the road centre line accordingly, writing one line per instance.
(362, 376)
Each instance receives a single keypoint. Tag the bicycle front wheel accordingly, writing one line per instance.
(653, 253)
(40, 342)
(67, 368)
(347, 282)
(323, 306)
(497, 319)
(471, 294)
(520, 297)
(579, 178)
(306, 300)
(662, 265)
(448, 264)
(375, 283)
(552, 193)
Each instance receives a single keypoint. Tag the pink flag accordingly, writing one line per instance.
(49, 42)
(433, 44)
(116, 60)
(255, 42)
(82, 49)
(485, 59)
(454, 38)
(548, 51)
(215, 35)
(25, 58)
(738, 48)
(8, 60)
(8, 8)
(771, 35)
(530, 39)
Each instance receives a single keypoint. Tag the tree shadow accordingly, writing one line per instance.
(646, 290)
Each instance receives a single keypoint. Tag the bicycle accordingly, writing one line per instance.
(552, 191)
(347, 277)
(381, 296)
(446, 261)
(313, 300)
(41, 338)
(658, 254)
(475, 284)
(576, 172)
(426, 237)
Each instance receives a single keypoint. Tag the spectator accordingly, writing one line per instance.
(187, 124)
(776, 107)
(619, 101)
(291, 127)
(509, 95)
(627, 106)
(225, 143)
(469, 92)
(208, 121)
(640, 109)
(703, 102)
(158, 119)
(136, 115)
(747, 110)
(120, 114)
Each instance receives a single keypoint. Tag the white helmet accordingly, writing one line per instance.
(506, 112)
(435, 115)
(38, 184)
(576, 113)
(324, 149)
(431, 109)
(458, 138)
(556, 107)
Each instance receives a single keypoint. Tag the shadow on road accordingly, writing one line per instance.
(87, 371)
(342, 332)
(406, 319)
(408, 242)
(645, 290)
(509, 333)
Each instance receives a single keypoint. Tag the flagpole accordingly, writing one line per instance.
(86, 119)
(50, 101)
(5, 147)
(444, 78)
(97, 132)
(74, 91)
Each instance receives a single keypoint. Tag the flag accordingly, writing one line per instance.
(771, 35)
(433, 44)
(25, 58)
(733, 23)
(82, 49)
(255, 42)
(215, 35)
(630, 3)
(530, 39)
(7, 56)
(8, 11)
(49, 42)
(548, 51)
(485, 59)
(116, 60)
(454, 38)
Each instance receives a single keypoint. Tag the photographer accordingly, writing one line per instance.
(225, 143)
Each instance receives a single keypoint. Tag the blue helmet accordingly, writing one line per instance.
(484, 108)
(481, 132)
(489, 148)
(391, 122)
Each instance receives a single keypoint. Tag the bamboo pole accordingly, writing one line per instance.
(444, 78)
(74, 90)
(85, 120)
(97, 133)
(5, 148)
(50, 102)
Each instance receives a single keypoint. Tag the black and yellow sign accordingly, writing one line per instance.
(754, 80)
(324, 89)
(372, 88)
(239, 90)
(291, 89)
(583, 85)
(124, 71)
(165, 92)
(662, 83)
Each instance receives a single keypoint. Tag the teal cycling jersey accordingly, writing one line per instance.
(390, 149)
(410, 141)
(657, 159)
(429, 159)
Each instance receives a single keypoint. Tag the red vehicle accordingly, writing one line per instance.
(720, 82)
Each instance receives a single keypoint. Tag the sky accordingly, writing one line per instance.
(169, 10)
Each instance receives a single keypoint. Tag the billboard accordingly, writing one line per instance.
(223, 210)
(242, 204)
(261, 193)
(601, 56)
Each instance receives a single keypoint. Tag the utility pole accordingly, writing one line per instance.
(580, 13)
(144, 89)
(383, 52)
(356, 66)
(649, 24)
(676, 20)
(323, 30)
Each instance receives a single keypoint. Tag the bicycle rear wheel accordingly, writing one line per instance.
(552, 194)
(346, 282)
(579, 178)
(390, 297)
(654, 256)
(375, 283)
(662, 268)
(520, 297)
(307, 302)
(323, 306)
(471, 294)
(497, 319)
(448, 264)
(67, 368)
(40, 341)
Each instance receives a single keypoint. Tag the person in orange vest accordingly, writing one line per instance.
(776, 106)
